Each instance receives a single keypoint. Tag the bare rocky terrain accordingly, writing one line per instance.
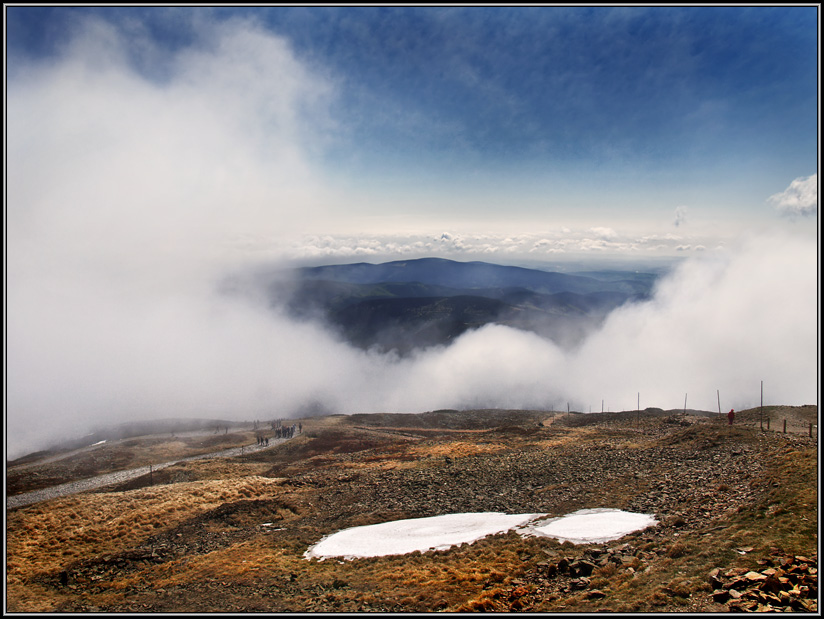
(737, 512)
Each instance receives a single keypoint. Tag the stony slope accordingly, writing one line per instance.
(229, 535)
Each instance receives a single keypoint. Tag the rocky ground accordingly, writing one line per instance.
(229, 534)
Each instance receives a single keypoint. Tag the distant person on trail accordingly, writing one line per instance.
(731, 416)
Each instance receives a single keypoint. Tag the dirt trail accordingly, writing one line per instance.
(101, 445)
(45, 494)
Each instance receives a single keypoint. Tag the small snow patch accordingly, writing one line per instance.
(594, 525)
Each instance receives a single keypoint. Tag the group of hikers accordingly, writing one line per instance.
(287, 431)
(280, 431)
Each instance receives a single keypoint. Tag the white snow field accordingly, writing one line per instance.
(404, 536)
(442, 532)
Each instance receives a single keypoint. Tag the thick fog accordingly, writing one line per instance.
(132, 195)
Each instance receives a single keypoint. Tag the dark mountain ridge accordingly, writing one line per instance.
(476, 275)
(409, 304)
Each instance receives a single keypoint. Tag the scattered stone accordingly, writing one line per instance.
(581, 568)
(720, 596)
(768, 590)
(579, 583)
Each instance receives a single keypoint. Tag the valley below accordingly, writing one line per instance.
(736, 508)
(407, 305)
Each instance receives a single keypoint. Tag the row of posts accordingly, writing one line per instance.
(810, 429)
(810, 425)
(718, 393)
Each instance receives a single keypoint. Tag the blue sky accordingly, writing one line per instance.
(484, 119)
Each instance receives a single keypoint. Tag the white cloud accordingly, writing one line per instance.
(800, 198)
(127, 199)
(182, 164)
(602, 233)
(553, 244)
(720, 321)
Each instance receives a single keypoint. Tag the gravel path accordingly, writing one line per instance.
(45, 494)
(108, 443)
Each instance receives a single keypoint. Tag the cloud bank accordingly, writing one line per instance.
(131, 196)
(559, 244)
(722, 322)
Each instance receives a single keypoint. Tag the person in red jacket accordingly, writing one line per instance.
(731, 415)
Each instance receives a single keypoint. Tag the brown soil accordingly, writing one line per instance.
(229, 535)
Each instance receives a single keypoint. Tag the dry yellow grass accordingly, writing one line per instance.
(45, 537)
(455, 449)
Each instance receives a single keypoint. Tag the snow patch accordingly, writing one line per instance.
(442, 532)
(594, 525)
(405, 536)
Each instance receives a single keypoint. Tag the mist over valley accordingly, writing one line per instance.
(415, 335)
(403, 306)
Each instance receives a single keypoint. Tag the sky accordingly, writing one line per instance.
(154, 151)
(442, 532)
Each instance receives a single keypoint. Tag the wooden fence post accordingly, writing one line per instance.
(768, 423)
(638, 409)
(785, 426)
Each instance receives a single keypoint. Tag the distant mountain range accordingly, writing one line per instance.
(409, 304)
(479, 276)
